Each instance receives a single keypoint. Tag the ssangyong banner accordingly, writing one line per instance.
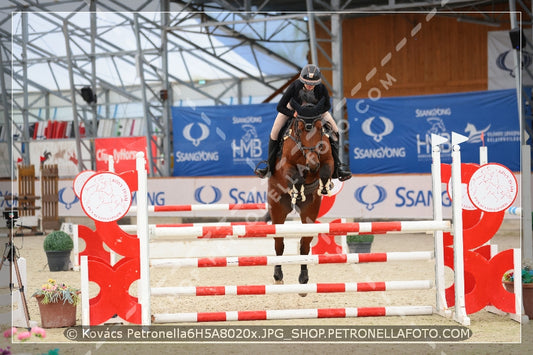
(393, 135)
(122, 149)
(221, 140)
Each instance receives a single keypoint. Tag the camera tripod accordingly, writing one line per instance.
(10, 253)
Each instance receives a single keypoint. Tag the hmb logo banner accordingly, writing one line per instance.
(221, 140)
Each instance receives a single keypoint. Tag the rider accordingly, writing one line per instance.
(308, 88)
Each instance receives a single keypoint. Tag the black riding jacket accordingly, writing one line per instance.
(293, 92)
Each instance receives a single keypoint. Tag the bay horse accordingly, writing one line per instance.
(301, 176)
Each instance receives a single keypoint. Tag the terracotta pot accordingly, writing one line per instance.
(56, 315)
(527, 296)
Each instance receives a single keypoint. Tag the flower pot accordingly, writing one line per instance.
(56, 315)
(360, 247)
(58, 260)
(527, 296)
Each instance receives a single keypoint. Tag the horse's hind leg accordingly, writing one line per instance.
(278, 273)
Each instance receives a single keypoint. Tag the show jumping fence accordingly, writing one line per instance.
(141, 262)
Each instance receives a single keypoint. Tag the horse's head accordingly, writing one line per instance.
(307, 132)
(311, 139)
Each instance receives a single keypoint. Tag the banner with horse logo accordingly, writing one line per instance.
(392, 135)
(501, 60)
(221, 140)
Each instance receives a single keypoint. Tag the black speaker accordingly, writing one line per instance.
(516, 34)
(88, 95)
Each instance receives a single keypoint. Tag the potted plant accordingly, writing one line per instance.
(58, 246)
(57, 304)
(359, 243)
(527, 286)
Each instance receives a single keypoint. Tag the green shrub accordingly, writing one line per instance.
(360, 238)
(58, 241)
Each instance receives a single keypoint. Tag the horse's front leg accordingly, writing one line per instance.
(305, 243)
(325, 184)
(278, 273)
(297, 189)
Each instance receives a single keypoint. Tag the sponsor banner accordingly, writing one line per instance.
(364, 197)
(123, 151)
(221, 140)
(6, 160)
(501, 61)
(393, 135)
(58, 151)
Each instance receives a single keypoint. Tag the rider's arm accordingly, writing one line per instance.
(285, 99)
(321, 92)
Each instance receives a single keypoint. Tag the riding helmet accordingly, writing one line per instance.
(310, 75)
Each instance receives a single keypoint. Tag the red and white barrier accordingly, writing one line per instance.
(294, 288)
(132, 228)
(293, 259)
(292, 314)
(204, 207)
(298, 230)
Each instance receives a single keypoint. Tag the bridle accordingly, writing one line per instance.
(309, 124)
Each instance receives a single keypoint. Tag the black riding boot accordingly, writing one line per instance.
(271, 160)
(340, 171)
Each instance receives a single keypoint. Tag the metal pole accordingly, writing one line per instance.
(7, 119)
(81, 166)
(338, 90)
(167, 113)
(146, 109)
(312, 33)
(25, 129)
(525, 176)
(94, 126)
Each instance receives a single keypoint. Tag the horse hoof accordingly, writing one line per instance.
(303, 278)
(302, 294)
(278, 282)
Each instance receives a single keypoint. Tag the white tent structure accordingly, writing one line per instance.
(140, 57)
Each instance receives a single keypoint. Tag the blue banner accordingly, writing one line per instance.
(221, 140)
(393, 135)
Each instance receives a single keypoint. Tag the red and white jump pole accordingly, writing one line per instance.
(132, 228)
(292, 314)
(294, 288)
(293, 259)
(297, 230)
(206, 207)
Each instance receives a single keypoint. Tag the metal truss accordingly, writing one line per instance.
(159, 30)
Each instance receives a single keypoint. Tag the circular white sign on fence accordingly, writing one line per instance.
(493, 188)
(105, 197)
(80, 180)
